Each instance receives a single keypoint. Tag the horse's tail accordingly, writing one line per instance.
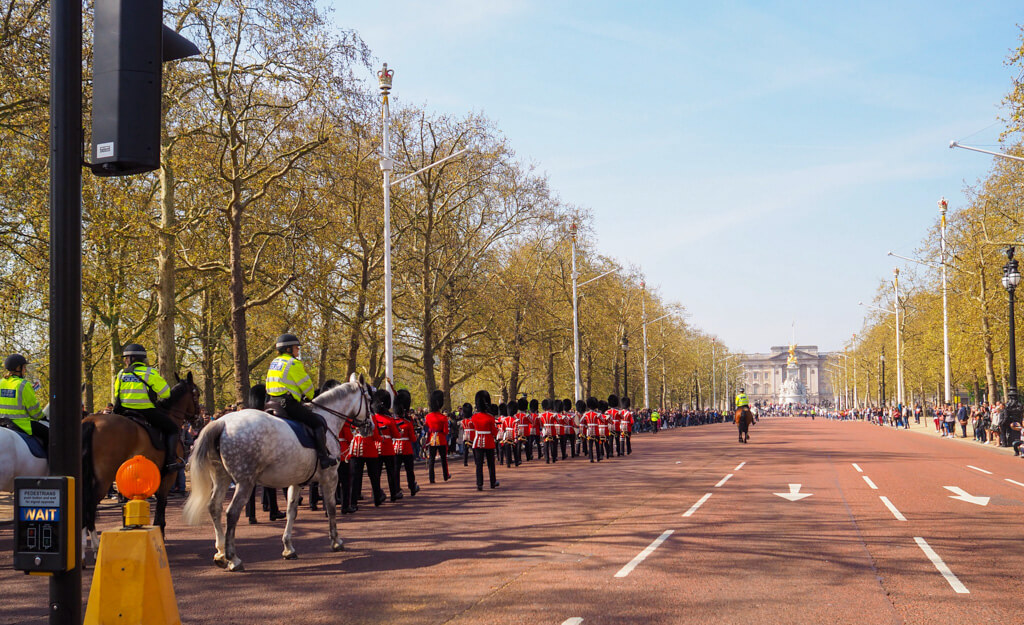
(201, 467)
(89, 498)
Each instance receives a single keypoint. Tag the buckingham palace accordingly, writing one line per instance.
(764, 374)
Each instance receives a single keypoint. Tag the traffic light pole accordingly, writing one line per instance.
(65, 606)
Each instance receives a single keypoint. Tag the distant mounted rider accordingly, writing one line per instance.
(288, 385)
(18, 400)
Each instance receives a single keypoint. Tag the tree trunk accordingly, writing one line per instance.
(115, 354)
(208, 355)
(429, 378)
(239, 342)
(325, 347)
(88, 364)
(616, 373)
(358, 318)
(373, 369)
(551, 373)
(166, 304)
(513, 378)
(986, 333)
(446, 375)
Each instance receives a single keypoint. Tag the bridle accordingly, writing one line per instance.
(188, 416)
(364, 404)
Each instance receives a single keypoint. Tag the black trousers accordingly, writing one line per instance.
(551, 449)
(41, 432)
(372, 466)
(269, 501)
(531, 440)
(608, 446)
(478, 456)
(572, 445)
(465, 453)
(436, 450)
(391, 468)
(517, 450)
(618, 443)
(629, 443)
(409, 462)
(506, 451)
(344, 492)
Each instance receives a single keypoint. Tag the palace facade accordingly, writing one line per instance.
(763, 374)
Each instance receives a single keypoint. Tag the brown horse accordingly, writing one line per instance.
(744, 419)
(108, 440)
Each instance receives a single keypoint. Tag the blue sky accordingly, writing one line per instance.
(756, 159)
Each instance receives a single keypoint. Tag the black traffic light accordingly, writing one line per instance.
(129, 46)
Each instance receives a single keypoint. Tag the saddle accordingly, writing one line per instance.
(303, 432)
(35, 446)
(156, 437)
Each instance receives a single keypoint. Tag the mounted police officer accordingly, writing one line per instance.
(139, 390)
(288, 385)
(18, 400)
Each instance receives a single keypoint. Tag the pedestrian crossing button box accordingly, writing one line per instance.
(44, 512)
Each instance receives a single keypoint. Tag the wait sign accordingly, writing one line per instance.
(44, 536)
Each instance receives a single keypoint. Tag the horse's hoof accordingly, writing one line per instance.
(221, 562)
(236, 568)
(338, 547)
(290, 556)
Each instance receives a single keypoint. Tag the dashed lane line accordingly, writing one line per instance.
(971, 466)
(576, 620)
(740, 466)
(954, 582)
(870, 483)
(896, 513)
(1013, 481)
(723, 480)
(700, 502)
(856, 466)
(640, 557)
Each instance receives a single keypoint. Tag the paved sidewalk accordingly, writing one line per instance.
(927, 427)
(6, 508)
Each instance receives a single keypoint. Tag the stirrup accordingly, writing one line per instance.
(326, 462)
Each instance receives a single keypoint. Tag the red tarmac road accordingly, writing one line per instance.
(547, 546)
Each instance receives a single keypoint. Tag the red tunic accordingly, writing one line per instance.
(406, 434)
(548, 424)
(388, 432)
(507, 427)
(345, 440)
(613, 415)
(484, 431)
(437, 429)
(534, 420)
(626, 422)
(467, 430)
(590, 418)
(602, 425)
(522, 424)
(365, 446)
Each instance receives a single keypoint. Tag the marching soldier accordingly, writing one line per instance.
(287, 386)
(522, 429)
(139, 389)
(403, 442)
(568, 428)
(616, 422)
(437, 435)
(603, 428)
(365, 453)
(591, 421)
(626, 426)
(548, 424)
(388, 431)
(484, 431)
(533, 432)
(507, 427)
(18, 400)
(467, 431)
(580, 427)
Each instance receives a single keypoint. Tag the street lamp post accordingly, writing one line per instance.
(625, 366)
(943, 205)
(881, 378)
(384, 78)
(643, 319)
(856, 398)
(899, 351)
(576, 284)
(1011, 278)
(714, 377)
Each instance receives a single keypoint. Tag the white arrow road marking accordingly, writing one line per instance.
(576, 620)
(700, 502)
(941, 567)
(739, 466)
(723, 480)
(962, 495)
(640, 557)
(971, 466)
(896, 513)
(1013, 481)
(794, 493)
(856, 466)
(870, 483)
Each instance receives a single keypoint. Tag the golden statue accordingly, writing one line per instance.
(792, 355)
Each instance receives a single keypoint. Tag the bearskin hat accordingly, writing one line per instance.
(602, 405)
(522, 404)
(581, 406)
(483, 400)
(533, 405)
(467, 410)
(613, 401)
(381, 403)
(492, 410)
(403, 402)
(546, 404)
(436, 400)
(592, 403)
(503, 409)
(625, 402)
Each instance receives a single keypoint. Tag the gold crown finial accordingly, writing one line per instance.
(384, 78)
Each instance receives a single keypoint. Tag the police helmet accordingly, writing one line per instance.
(742, 390)
(132, 350)
(287, 340)
(15, 362)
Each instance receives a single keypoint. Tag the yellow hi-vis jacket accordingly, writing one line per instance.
(741, 400)
(18, 402)
(287, 376)
(133, 384)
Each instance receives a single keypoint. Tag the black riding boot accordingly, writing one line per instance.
(171, 462)
(320, 435)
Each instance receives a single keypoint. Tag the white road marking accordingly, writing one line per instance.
(1013, 481)
(870, 483)
(971, 466)
(896, 513)
(576, 620)
(855, 466)
(963, 495)
(723, 480)
(739, 466)
(640, 557)
(700, 502)
(957, 585)
(794, 493)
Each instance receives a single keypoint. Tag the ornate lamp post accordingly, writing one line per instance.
(1011, 278)
(881, 377)
(384, 78)
(625, 365)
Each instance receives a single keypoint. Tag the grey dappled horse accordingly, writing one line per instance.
(251, 447)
